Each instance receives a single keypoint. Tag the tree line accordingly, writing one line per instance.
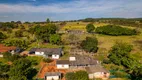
(115, 30)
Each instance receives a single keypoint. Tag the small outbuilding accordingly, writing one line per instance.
(97, 72)
(52, 76)
(54, 53)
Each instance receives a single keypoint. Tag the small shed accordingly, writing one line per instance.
(97, 72)
(53, 76)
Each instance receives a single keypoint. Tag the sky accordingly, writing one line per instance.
(39, 10)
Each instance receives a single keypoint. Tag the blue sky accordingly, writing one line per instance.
(39, 10)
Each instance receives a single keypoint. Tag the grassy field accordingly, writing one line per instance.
(105, 41)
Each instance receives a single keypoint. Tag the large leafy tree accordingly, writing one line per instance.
(90, 44)
(55, 39)
(21, 70)
(44, 32)
(120, 55)
(90, 28)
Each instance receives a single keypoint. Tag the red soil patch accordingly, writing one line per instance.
(4, 48)
(50, 67)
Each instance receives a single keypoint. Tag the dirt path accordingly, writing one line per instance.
(50, 67)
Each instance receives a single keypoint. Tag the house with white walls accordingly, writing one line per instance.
(62, 64)
(54, 53)
(52, 76)
(97, 72)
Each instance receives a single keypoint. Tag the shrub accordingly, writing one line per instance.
(90, 28)
(48, 60)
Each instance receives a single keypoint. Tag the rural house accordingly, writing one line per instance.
(82, 61)
(53, 53)
(62, 64)
(11, 49)
(53, 76)
(97, 72)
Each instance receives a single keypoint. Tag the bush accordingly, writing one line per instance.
(115, 30)
(55, 39)
(8, 56)
(16, 42)
(106, 61)
(79, 75)
(48, 60)
(90, 28)
(70, 76)
(19, 33)
(2, 36)
(120, 74)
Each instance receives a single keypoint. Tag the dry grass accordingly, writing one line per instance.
(105, 41)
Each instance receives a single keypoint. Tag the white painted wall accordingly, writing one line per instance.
(55, 56)
(1, 55)
(52, 77)
(96, 75)
(39, 53)
(91, 76)
(62, 66)
(12, 52)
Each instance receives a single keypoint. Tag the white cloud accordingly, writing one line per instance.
(104, 7)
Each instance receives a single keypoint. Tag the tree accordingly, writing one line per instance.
(90, 44)
(81, 75)
(16, 42)
(2, 36)
(90, 28)
(7, 56)
(48, 20)
(4, 68)
(70, 76)
(44, 32)
(120, 55)
(55, 39)
(137, 73)
(19, 33)
(21, 70)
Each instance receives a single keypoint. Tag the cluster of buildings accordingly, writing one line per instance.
(74, 62)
